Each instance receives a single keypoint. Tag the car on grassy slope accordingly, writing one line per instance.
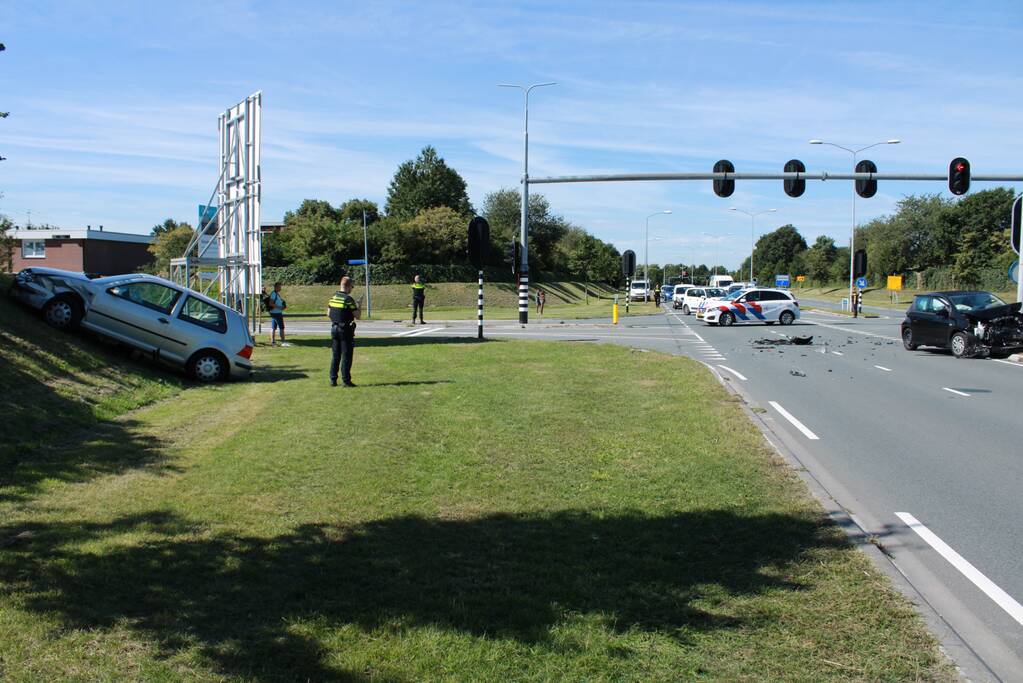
(761, 305)
(971, 324)
(174, 324)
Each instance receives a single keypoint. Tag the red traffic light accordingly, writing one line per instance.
(960, 167)
(959, 176)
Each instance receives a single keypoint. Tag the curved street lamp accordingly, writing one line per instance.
(752, 221)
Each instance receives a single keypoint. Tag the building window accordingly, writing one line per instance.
(33, 249)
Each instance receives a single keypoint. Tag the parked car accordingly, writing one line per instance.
(970, 323)
(639, 291)
(694, 296)
(667, 291)
(753, 305)
(679, 295)
(174, 324)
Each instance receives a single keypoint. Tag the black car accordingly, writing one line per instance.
(971, 324)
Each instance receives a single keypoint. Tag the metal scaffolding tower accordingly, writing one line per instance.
(230, 228)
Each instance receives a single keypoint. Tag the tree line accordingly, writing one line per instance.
(932, 241)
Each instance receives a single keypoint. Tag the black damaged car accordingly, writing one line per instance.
(971, 324)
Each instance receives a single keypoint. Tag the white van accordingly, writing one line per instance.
(720, 281)
(638, 291)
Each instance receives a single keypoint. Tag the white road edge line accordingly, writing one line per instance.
(795, 423)
(960, 393)
(1007, 362)
(838, 353)
(881, 367)
(734, 372)
(1001, 598)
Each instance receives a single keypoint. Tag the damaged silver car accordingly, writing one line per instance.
(170, 323)
(972, 324)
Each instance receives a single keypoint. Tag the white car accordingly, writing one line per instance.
(693, 296)
(638, 291)
(759, 305)
(679, 295)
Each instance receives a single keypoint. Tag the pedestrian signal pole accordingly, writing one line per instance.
(479, 247)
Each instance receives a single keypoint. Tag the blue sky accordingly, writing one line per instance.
(114, 105)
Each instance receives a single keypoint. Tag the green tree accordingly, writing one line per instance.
(7, 245)
(167, 226)
(169, 244)
(776, 252)
(503, 210)
(437, 235)
(819, 259)
(423, 183)
(982, 223)
(353, 208)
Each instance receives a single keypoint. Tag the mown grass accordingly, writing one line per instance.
(874, 296)
(501, 298)
(472, 511)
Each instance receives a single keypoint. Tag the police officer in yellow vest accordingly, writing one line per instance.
(418, 299)
(343, 312)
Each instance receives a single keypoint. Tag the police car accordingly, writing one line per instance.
(758, 305)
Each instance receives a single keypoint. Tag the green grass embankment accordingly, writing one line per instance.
(457, 300)
(472, 511)
(55, 387)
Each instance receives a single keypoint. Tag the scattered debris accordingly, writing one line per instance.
(783, 341)
(797, 373)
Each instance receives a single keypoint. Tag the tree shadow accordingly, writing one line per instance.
(514, 576)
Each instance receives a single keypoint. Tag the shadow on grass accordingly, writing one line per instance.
(276, 373)
(264, 608)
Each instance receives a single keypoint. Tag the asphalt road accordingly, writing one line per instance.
(898, 438)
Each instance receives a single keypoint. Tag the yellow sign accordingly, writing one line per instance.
(895, 283)
(800, 278)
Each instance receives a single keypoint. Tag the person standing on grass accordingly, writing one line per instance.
(343, 312)
(277, 306)
(541, 299)
(418, 299)
(657, 298)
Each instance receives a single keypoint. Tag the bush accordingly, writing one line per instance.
(394, 273)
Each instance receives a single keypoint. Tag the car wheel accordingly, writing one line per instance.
(64, 313)
(207, 366)
(959, 344)
(907, 339)
(726, 320)
(786, 317)
(685, 310)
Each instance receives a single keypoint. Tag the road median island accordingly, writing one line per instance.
(471, 511)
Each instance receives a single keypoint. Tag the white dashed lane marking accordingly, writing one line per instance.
(795, 423)
(954, 391)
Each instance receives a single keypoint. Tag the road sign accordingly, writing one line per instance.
(1017, 209)
(895, 283)
(861, 282)
(1014, 272)
(356, 261)
(800, 278)
(781, 280)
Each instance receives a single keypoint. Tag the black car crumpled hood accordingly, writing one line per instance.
(995, 312)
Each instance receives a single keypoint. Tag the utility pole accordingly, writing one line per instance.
(365, 253)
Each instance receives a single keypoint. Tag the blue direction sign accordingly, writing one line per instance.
(861, 282)
(356, 261)
(781, 280)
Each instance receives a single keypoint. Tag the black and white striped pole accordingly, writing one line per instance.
(479, 309)
(479, 247)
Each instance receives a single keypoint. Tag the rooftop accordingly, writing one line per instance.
(79, 234)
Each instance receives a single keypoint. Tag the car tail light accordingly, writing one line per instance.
(246, 352)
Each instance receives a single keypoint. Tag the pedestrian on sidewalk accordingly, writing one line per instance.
(657, 298)
(343, 312)
(277, 306)
(418, 299)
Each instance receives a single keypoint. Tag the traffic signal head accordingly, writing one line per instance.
(959, 176)
(866, 188)
(628, 263)
(479, 241)
(860, 263)
(514, 254)
(724, 188)
(795, 188)
(1014, 227)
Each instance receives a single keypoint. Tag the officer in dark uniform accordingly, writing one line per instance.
(418, 299)
(343, 312)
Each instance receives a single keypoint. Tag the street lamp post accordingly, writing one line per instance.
(852, 230)
(752, 222)
(524, 223)
(646, 251)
